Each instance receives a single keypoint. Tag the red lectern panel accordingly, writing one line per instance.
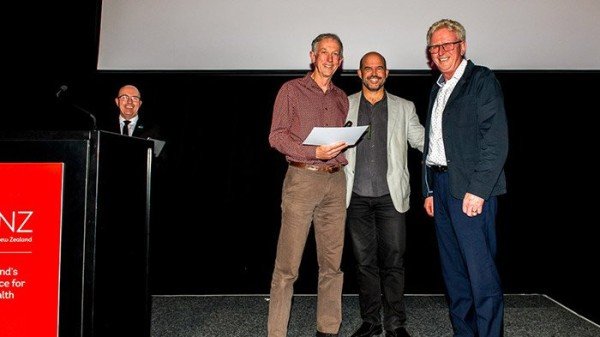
(30, 231)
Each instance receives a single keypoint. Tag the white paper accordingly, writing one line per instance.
(324, 136)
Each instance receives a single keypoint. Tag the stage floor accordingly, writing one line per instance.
(530, 315)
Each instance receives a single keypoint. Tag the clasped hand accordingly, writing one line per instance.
(330, 151)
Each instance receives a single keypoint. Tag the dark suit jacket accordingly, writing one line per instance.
(146, 130)
(475, 135)
(143, 129)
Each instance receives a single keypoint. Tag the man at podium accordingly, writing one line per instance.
(130, 123)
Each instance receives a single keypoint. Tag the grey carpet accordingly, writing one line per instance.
(246, 315)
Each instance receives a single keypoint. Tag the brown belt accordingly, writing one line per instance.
(322, 168)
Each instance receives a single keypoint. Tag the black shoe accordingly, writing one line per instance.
(368, 330)
(322, 334)
(400, 332)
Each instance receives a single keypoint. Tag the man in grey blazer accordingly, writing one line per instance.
(378, 197)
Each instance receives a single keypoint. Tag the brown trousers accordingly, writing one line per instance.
(319, 198)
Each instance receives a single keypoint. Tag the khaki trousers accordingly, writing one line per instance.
(319, 198)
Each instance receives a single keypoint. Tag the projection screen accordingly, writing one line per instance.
(269, 35)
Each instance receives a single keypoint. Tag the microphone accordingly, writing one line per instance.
(63, 88)
(61, 93)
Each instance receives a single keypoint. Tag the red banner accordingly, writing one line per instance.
(30, 232)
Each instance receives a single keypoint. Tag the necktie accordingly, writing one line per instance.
(125, 130)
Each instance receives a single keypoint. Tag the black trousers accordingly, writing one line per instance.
(378, 234)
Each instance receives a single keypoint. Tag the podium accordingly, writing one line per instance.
(103, 238)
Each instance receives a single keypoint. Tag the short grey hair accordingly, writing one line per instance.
(449, 24)
(324, 36)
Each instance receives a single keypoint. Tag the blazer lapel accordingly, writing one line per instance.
(139, 128)
(460, 86)
(393, 117)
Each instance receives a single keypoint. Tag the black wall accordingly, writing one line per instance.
(220, 167)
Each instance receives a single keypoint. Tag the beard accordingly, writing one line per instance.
(373, 86)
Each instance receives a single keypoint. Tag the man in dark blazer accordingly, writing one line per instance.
(130, 123)
(466, 144)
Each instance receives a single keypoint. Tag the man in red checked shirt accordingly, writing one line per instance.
(314, 189)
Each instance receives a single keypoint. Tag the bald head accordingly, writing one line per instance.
(129, 101)
(372, 54)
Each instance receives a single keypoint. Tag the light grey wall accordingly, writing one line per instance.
(276, 34)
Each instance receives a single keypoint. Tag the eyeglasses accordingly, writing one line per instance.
(125, 98)
(448, 46)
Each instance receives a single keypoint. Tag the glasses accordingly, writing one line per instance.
(125, 98)
(448, 46)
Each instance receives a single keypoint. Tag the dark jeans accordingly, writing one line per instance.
(378, 234)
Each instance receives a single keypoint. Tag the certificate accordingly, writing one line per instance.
(324, 136)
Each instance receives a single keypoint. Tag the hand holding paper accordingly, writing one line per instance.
(324, 136)
(330, 151)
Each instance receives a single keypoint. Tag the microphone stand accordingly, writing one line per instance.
(94, 124)
(62, 97)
